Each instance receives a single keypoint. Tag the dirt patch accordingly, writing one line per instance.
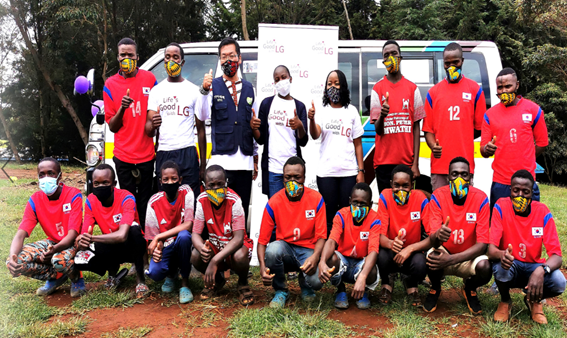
(75, 178)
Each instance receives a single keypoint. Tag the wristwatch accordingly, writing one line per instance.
(363, 171)
(546, 268)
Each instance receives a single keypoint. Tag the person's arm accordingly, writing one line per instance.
(433, 144)
(173, 231)
(310, 264)
(314, 129)
(302, 140)
(487, 139)
(17, 243)
(384, 111)
(416, 146)
(359, 159)
(443, 260)
(115, 122)
(119, 236)
(360, 284)
(266, 229)
(424, 244)
(329, 249)
(153, 121)
(202, 139)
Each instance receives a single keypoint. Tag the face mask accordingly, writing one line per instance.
(172, 68)
(216, 196)
(401, 197)
(102, 192)
(459, 187)
(333, 94)
(229, 68)
(359, 213)
(507, 98)
(283, 87)
(170, 189)
(48, 184)
(392, 64)
(293, 189)
(453, 74)
(128, 66)
(521, 204)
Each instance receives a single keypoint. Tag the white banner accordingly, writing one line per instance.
(310, 53)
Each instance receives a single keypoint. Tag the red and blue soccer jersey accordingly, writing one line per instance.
(516, 128)
(468, 222)
(163, 215)
(122, 211)
(55, 217)
(407, 218)
(454, 111)
(395, 146)
(526, 234)
(355, 241)
(301, 223)
(131, 144)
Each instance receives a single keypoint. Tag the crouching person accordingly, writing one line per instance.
(220, 210)
(351, 252)
(59, 210)
(518, 230)
(298, 213)
(169, 220)
(122, 241)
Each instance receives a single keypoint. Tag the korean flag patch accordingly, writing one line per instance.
(527, 118)
(66, 207)
(309, 214)
(537, 232)
(364, 235)
(471, 216)
(117, 218)
(83, 257)
(415, 215)
(146, 90)
(467, 96)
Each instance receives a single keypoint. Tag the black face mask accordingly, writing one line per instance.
(102, 192)
(170, 189)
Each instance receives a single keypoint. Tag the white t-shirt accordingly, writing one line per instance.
(179, 103)
(282, 143)
(339, 127)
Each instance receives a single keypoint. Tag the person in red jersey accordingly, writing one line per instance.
(459, 230)
(168, 225)
(350, 253)
(58, 208)
(396, 109)
(403, 213)
(454, 107)
(519, 228)
(122, 241)
(298, 213)
(220, 210)
(125, 97)
(509, 130)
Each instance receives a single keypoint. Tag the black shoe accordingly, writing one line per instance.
(472, 301)
(431, 300)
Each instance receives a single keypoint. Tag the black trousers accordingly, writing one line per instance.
(141, 187)
(384, 175)
(188, 162)
(415, 267)
(241, 182)
(336, 193)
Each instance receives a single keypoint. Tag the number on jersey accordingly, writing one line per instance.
(454, 113)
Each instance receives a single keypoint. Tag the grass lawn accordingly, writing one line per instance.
(23, 314)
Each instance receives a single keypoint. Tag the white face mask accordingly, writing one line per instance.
(283, 87)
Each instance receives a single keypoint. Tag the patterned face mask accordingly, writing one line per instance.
(453, 73)
(507, 98)
(401, 197)
(359, 213)
(293, 189)
(333, 94)
(521, 204)
(216, 196)
(128, 66)
(229, 68)
(459, 187)
(172, 68)
(392, 64)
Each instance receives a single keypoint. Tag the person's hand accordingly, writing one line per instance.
(359, 288)
(255, 122)
(255, 173)
(324, 272)
(208, 80)
(437, 149)
(398, 243)
(444, 233)
(158, 251)
(266, 277)
(311, 113)
(206, 252)
(415, 171)
(490, 147)
(438, 260)
(385, 106)
(45, 257)
(295, 122)
(156, 120)
(83, 241)
(127, 100)
(13, 266)
(401, 257)
(507, 258)
(535, 286)
(202, 169)
(360, 177)
(210, 275)
(152, 246)
(310, 265)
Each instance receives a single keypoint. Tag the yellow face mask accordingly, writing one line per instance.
(459, 187)
(401, 197)
(507, 98)
(216, 196)
(521, 204)
(173, 68)
(453, 73)
(392, 64)
(293, 189)
(128, 66)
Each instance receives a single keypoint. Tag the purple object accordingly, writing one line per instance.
(96, 105)
(81, 84)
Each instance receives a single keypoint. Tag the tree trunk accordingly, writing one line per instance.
(243, 16)
(42, 124)
(347, 20)
(9, 136)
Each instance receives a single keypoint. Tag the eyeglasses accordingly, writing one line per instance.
(232, 57)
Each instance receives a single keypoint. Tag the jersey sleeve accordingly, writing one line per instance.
(418, 107)
(108, 99)
(550, 237)
(496, 225)
(152, 225)
(238, 222)
(128, 210)
(338, 228)
(189, 210)
(153, 99)
(479, 108)
(483, 222)
(428, 120)
(375, 105)
(357, 130)
(76, 216)
(383, 215)
(199, 221)
(426, 216)
(435, 215)
(540, 130)
(89, 220)
(374, 240)
(486, 131)
(29, 221)
(321, 221)
(267, 226)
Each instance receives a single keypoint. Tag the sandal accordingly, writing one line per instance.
(245, 295)
(209, 293)
(141, 290)
(385, 296)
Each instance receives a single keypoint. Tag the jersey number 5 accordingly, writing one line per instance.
(60, 229)
(454, 113)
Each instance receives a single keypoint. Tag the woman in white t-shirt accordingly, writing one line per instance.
(341, 163)
(281, 126)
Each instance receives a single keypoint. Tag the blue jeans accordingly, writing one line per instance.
(349, 270)
(498, 190)
(276, 183)
(519, 274)
(176, 255)
(282, 257)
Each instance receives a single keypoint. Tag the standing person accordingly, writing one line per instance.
(174, 110)
(231, 103)
(281, 128)
(58, 208)
(341, 163)
(518, 230)
(509, 130)
(125, 109)
(396, 110)
(454, 107)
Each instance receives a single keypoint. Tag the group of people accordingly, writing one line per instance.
(330, 235)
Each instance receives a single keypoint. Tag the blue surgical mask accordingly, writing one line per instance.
(49, 184)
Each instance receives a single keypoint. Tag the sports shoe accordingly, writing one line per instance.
(78, 288)
(363, 303)
(341, 300)
(168, 285)
(279, 299)
(472, 301)
(536, 310)
(50, 286)
(308, 295)
(431, 300)
(185, 295)
(502, 313)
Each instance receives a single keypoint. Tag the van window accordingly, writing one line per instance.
(194, 70)
(249, 67)
(348, 64)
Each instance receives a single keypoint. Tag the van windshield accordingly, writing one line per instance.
(194, 70)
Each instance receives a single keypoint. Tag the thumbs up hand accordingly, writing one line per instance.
(255, 122)
(437, 149)
(507, 258)
(83, 241)
(385, 106)
(206, 252)
(444, 233)
(311, 113)
(398, 242)
(127, 100)
(267, 277)
(208, 80)
(45, 257)
(295, 122)
(156, 255)
(490, 147)
(325, 273)
(156, 119)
